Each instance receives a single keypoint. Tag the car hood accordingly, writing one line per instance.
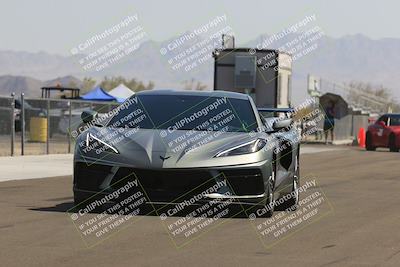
(153, 148)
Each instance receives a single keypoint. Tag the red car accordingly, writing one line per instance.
(385, 132)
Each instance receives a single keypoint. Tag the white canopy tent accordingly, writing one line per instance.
(121, 92)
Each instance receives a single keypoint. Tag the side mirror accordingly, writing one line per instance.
(281, 124)
(381, 123)
(88, 116)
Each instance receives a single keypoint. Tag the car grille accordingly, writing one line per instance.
(167, 184)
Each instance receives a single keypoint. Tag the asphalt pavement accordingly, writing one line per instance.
(360, 229)
(53, 165)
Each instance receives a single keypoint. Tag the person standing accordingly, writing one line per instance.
(329, 122)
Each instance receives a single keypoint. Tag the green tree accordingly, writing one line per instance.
(376, 97)
(194, 85)
(72, 84)
(87, 84)
(109, 83)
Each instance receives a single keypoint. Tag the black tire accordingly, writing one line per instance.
(293, 197)
(392, 143)
(368, 143)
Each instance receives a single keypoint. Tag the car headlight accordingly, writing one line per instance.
(246, 148)
(91, 140)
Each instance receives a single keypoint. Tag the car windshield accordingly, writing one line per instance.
(186, 112)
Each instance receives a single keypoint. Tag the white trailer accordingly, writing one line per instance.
(262, 73)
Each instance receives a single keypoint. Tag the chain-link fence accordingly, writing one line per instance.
(34, 117)
(7, 115)
(32, 126)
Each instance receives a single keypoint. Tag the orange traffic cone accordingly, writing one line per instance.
(361, 137)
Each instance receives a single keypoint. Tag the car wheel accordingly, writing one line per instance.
(392, 143)
(368, 143)
(293, 197)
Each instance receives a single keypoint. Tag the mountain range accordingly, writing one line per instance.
(345, 59)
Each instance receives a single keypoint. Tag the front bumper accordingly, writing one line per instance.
(243, 184)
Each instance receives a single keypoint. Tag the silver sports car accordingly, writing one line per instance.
(180, 144)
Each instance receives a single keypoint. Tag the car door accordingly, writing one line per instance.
(379, 133)
(386, 132)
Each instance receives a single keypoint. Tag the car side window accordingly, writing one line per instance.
(394, 121)
(383, 119)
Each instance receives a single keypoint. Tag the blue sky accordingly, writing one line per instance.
(56, 26)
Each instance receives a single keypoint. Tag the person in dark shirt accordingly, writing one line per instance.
(329, 122)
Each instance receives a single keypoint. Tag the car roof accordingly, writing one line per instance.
(391, 114)
(216, 93)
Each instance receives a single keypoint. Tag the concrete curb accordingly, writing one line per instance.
(34, 167)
